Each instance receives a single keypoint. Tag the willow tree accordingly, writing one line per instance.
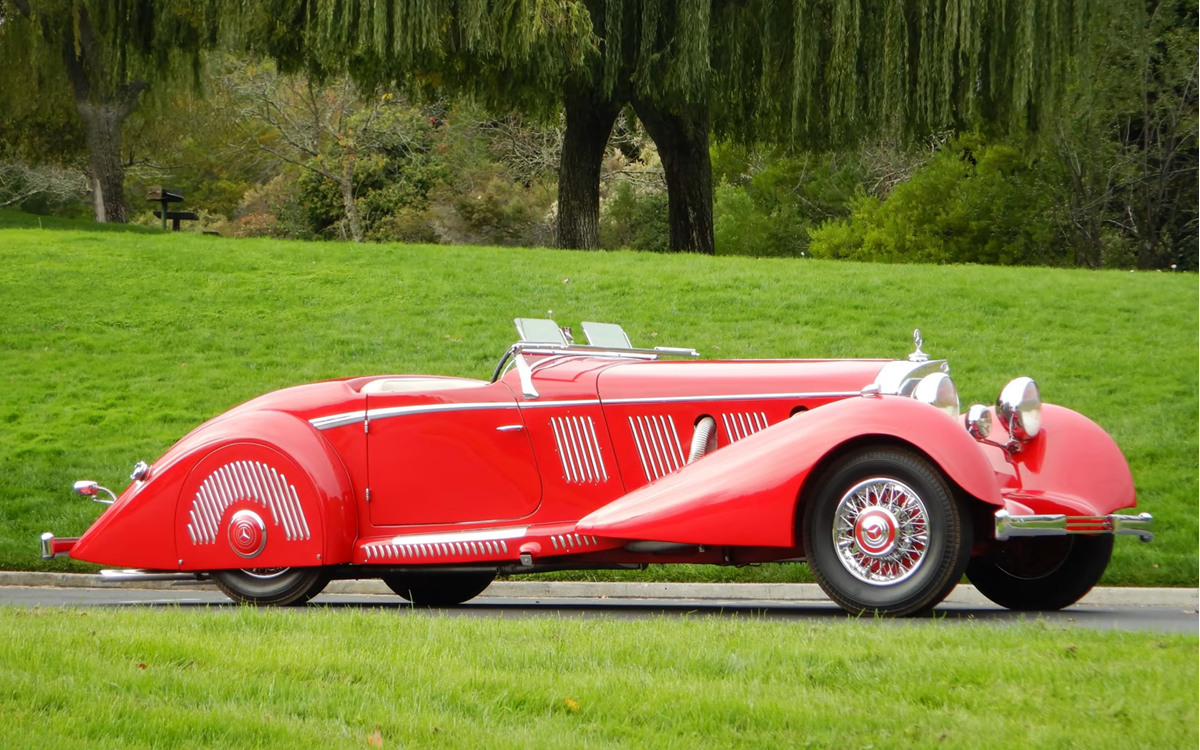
(815, 74)
(810, 73)
(102, 55)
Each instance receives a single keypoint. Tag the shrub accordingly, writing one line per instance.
(635, 219)
(972, 203)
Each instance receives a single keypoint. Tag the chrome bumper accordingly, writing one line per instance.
(1058, 524)
(52, 547)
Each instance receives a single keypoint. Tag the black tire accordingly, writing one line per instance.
(1041, 573)
(434, 589)
(919, 554)
(278, 587)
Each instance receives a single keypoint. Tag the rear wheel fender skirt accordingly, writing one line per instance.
(746, 494)
(268, 492)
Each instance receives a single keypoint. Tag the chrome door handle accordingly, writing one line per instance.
(510, 428)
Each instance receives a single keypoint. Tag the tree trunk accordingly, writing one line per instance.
(349, 158)
(682, 141)
(102, 130)
(103, 110)
(590, 118)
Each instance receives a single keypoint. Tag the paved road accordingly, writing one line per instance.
(1178, 619)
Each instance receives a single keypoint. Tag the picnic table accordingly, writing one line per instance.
(167, 196)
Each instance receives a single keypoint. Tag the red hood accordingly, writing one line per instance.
(683, 379)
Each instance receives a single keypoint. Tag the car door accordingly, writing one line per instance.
(449, 455)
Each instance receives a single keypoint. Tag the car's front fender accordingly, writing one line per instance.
(747, 493)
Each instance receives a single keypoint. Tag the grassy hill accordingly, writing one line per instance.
(115, 344)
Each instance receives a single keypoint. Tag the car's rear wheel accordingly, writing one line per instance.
(271, 586)
(884, 533)
(1041, 573)
(435, 589)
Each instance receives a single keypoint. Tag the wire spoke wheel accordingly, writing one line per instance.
(884, 533)
(881, 530)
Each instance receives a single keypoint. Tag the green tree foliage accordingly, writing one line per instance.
(101, 56)
(973, 203)
(821, 73)
(1128, 149)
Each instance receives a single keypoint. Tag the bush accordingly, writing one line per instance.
(742, 227)
(271, 210)
(499, 211)
(635, 219)
(765, 202)
(973, 203)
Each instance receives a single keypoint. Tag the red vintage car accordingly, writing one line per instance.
(605, 455)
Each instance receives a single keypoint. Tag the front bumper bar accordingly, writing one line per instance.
(1009, 526)
(52, 547)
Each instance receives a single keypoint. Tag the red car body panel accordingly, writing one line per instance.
(404, 470)
(747, 494)
(268, 460)
(1072, 467)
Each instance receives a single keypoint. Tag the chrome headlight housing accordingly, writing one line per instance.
(939, 391)
(1019, 407)
(979, 421)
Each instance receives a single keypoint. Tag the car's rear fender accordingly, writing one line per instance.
(273, 465)
(747, 494)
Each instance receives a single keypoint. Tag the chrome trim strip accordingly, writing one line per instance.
(245, 480)
(1057, 524)
(595, 445)
(401, 411)
(338, 420)
(657, 443)
(730, 397)
(341, 420)
(575, 402)
(493, 535)
(562, 454)
(579, 450)
(353, 417)
(741, 425)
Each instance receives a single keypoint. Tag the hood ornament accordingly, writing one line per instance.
(918, 355)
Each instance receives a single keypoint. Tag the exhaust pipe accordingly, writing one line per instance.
(130, 575)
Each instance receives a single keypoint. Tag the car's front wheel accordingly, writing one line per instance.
(884, 533)
(1041, 573)
(436, 589)
(271, 586)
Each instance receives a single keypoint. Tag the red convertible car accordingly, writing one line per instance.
(603, 455)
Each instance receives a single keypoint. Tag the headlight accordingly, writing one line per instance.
(979, 421)
(939, 391)
(1019, 407)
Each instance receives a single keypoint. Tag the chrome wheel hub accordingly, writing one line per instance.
(881, 531)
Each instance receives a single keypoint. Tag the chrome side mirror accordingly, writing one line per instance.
(88, 488)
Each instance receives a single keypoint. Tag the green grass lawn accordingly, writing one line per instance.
(113, 345)
(238, 677)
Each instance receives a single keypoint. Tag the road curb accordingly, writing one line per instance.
(1181, 598)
